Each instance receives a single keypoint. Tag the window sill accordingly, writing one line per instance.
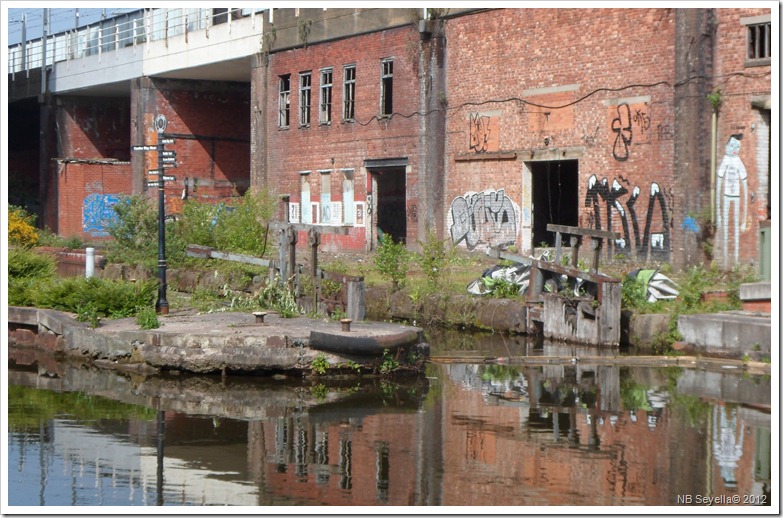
(749, 63)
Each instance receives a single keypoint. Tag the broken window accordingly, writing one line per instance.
(284, 101)
(305, 79)
(349, 91)
(387, 76)
(325, 113)
(758, 40)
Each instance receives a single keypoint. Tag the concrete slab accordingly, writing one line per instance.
(731, 333)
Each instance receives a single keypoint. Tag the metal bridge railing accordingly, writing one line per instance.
(125, 30)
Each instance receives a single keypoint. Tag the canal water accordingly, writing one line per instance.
(469, 432)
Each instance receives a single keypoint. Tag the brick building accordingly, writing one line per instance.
(480, 125)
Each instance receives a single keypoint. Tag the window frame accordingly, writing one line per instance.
(387, 87)
(349, 93)
(758, 40)
(305, 98)
(325, 96)
(284, 102)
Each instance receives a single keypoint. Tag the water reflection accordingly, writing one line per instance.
(467, 434)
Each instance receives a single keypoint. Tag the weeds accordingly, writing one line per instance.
(147, 318)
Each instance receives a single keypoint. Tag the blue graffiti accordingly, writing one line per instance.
(689, 225)
(98, 213)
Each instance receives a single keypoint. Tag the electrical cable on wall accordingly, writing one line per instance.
(584, 97)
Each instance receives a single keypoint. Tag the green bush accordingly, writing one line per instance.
(245, 228)
(433, 260)
(147, 318)
(104, 297)
(391, 261)
(29, 264)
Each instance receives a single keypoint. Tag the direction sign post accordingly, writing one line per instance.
(162, 305)
(166, 160)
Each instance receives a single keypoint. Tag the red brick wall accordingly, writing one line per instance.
(90, 128)
(538, 76)
(740, 85)
(86, 193)
(211, 125)
(345, 145)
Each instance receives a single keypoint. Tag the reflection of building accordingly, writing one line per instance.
(727, 442)
(512, 436)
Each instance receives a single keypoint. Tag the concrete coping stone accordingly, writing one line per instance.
(756, 291)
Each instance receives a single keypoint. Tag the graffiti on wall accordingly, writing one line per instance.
(98, 213)
(731, 195)
(655, 244)
(483, 132)
(632, 124)
(488, 218)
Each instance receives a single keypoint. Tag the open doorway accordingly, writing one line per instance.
(389, 186)
(555, 197)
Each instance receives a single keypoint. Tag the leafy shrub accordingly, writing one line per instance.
(147, 318)
(135, 233)
(21, 227)
(433, 259)
(107, 297)
(28, 264)
(392, 260)
(275, 296)
(244, 229)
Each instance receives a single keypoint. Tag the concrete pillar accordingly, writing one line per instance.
(258, 117)
(694, 46)
(143, 107)
(433, 101)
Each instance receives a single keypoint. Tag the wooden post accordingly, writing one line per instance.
(292, 273)
(576, 242)
(595, 243)
(283, 250)
(558, 246)
(314, 239)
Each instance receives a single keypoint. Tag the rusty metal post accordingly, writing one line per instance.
(346, 324)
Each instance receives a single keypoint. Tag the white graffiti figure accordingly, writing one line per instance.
(732, 181)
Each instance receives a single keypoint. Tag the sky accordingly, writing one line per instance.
(62, 19)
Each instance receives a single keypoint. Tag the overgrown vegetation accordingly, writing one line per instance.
(21, 227)
(240, 225)
(391, 261)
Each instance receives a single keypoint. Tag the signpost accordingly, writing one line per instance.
(166, 160)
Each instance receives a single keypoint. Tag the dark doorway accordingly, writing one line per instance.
(555, 197)
(390, 200)
(24, 118)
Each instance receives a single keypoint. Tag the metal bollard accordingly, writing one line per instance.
(259, 316)
(89, 265)
(346, 323)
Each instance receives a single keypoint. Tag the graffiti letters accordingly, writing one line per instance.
(649, 243)
(479, 133)
(488, 217)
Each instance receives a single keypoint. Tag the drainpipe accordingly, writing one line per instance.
(713, 160)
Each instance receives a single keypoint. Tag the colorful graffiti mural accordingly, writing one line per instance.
(98, 213)
(653, 244)
(488, 218)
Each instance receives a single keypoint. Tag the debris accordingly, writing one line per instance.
(659, 287)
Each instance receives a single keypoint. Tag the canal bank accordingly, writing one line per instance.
(224, 342)
(235, 342)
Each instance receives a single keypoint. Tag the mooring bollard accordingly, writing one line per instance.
(346, 323)
(259, 316)
(89, 265)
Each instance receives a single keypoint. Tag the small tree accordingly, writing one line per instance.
(391, 261)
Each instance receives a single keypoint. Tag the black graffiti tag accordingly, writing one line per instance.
(622, 126)
(479, 133)
(655, 244)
